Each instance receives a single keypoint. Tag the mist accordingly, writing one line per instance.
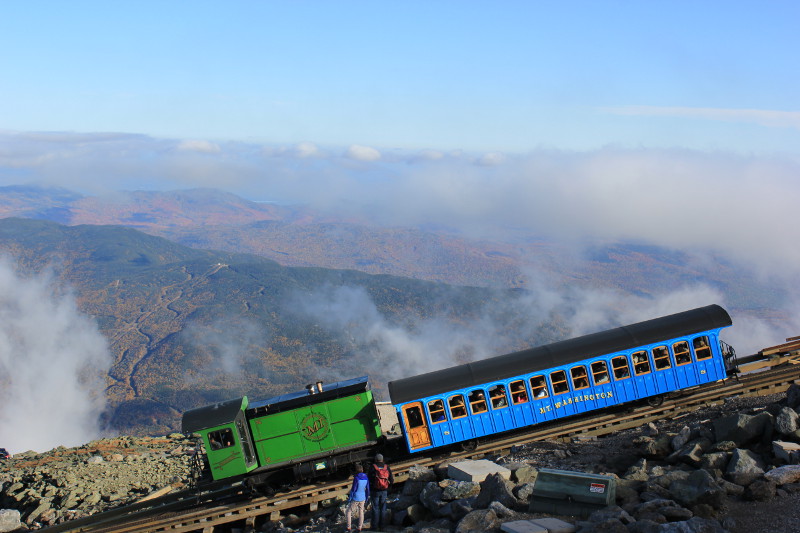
(53, 365)
(713, 206)
(735, 204)
(380, 346)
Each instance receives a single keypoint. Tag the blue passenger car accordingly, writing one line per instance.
(643, 360)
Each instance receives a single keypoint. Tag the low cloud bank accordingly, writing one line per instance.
(53, 364)
(380, 347)
(739, 205)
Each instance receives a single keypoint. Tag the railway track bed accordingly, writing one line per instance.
(180, 513)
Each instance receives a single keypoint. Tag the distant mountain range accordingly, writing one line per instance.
(297, 236)
(188, 326)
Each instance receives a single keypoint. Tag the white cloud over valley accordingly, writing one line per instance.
(53, 362)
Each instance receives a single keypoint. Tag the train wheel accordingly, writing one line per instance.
(469, 445)
(655, 401)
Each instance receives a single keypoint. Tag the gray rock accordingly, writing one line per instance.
(744, 467)
(760, 490)
(793, 396)
(699, 487)
(421, 474)
(784, 474)
(743, 429)
(496, 489)
(457, 490)
(478, 521)
(9, 520)
(787, 421)
(431, 497)
(715, 460)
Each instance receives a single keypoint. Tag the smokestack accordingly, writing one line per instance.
(319, 386)
(310, 388)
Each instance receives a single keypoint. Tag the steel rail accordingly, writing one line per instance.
(774, 376)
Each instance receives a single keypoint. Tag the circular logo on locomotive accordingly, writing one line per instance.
(315, 427)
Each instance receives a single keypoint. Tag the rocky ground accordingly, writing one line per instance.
(715, 470)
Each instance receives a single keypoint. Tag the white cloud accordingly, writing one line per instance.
(203, 147)
(362, 153)
(53, 361)
(306, 149)
(491, 159)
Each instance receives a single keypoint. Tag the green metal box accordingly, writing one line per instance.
(571, 493)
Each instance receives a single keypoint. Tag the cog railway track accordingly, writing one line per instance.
(187, 511)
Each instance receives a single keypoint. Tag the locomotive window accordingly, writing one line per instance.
(414, 417)
(580, 379)
(477, 402)
(682, 355)
(518, 393)
(661, 358)
(436, 411)
(221, 439)
(641, 364)
(458, 408)
(600, 372)
(558, 380)
(539, 387)
(701, 348)
(620, 366)
(498, 396)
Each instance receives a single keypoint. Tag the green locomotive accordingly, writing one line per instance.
(310, 433)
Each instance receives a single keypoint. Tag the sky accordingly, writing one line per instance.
(477, 76)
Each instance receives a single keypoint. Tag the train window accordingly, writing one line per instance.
(221, 439)
(641, 363)
(681, 351)
(458, 409)
(600, 372)
(436, 411)
(477, 402)
(580, 379)
(497, 395)
(558, 380)
(701, 348)
(539, 387)
(620, 367)
(661, 358)
(518, 393)
(414, 417)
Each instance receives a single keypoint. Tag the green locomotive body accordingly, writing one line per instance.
(311, 433)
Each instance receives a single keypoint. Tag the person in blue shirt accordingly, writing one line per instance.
(358, 497)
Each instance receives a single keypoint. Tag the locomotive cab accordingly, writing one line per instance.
(226, 439)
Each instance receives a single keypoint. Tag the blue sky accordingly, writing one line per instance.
(477, 76)
(672, 123)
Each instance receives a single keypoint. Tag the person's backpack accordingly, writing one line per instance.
(381, 477)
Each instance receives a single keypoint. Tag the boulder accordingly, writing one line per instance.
(784, 474)
(9, 520)
(744, 467)
(699, 487)
(787, 421)
(743, 429)
(478, 521)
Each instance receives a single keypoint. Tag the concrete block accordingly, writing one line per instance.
(788, 452)
(523, 526)
(554, 525)
(476, 471)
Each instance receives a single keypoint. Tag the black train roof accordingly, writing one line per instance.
(559, 353)
(212, 415)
